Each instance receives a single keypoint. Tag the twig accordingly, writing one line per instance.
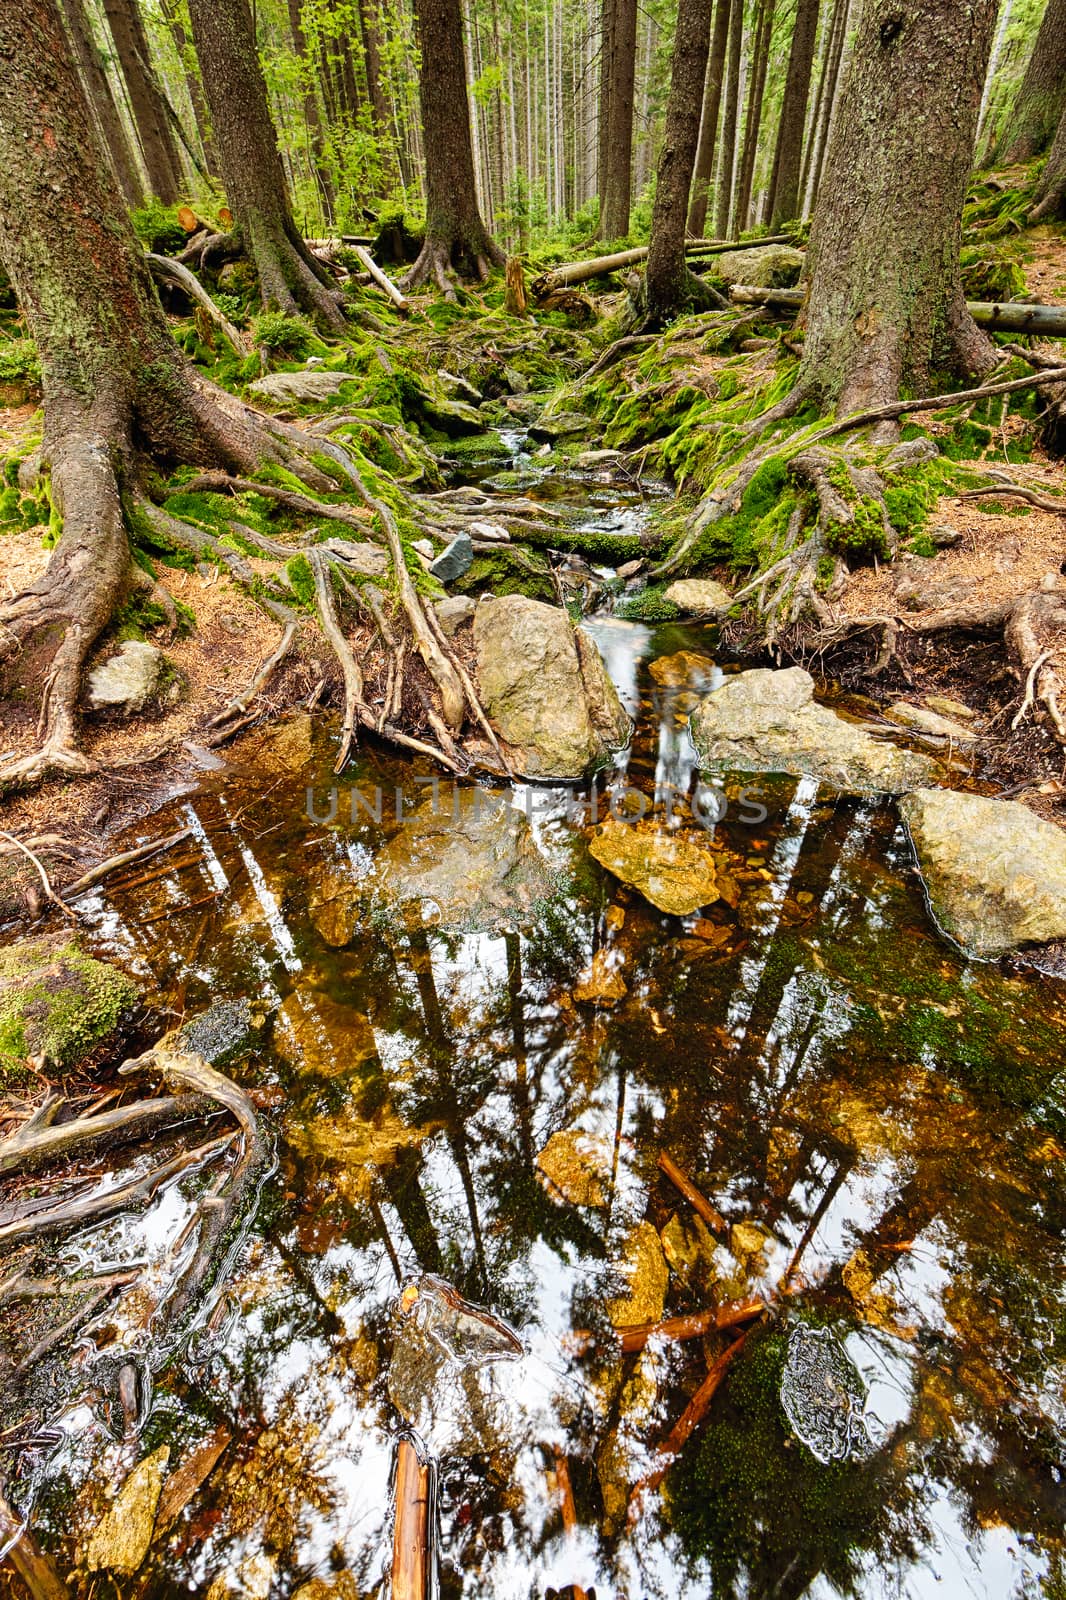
(241, 702)
(1030, 689)
(699, 1202)
(126, 859)
(730, 1315)
(50, 893)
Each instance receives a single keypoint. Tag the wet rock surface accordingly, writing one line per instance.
(677, 876)
(994, 873)
(767, 721)
(545, 688)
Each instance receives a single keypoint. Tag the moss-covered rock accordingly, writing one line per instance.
(57, 1004)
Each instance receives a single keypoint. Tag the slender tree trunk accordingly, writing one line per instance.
(456, 236)
(885, 305)
(788, 162)
(1042, 95)
(289, 277)
(153, 125)
(727, 148)
(191, 72)
(753, 120)
(603, 131)
(669, 284)
(102, 101)
(616, 185)
(311, 116)
(827, 93)
(712, 100)
(370, 29)
(1051, 201)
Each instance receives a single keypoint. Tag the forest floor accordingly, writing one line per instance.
(1004, 550)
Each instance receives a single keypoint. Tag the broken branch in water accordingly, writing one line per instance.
(36, 1569)
(125, 859)
(730, 1315)
(686, 1424)
(46, 882)
(35, 1144)
(410, 1538)
(699, 1202)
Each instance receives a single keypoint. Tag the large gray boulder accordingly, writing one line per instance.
(766, 721)
(771, 266)
(995, 873)
(468, 861)
(545, 688)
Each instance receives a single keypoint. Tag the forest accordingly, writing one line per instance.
(532, 783)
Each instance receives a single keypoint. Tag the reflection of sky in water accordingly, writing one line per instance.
(277, 1357)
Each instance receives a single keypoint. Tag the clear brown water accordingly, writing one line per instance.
(880, 1123)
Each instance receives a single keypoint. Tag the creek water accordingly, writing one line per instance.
(879, 1123)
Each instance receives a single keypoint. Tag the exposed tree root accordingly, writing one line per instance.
(440, 259)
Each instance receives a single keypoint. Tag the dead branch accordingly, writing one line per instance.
(125, 859)
(382, 279)
(699, 1202)
(166, 270)
(35, 1146)
(239, 705)
(1017, 491)
(46, 882)
(410, 1539)
(731, 1314)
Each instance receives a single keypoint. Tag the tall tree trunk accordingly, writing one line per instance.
(115, 384)
(190, 69)
(669, 285)
(370, 29)
(456, 236)
(753, 120)
(102, 101)
(727, 147)
(1042, 95)
(153, 125)
(712, 100)
(1051, 201)
(788, 161)
(823, 111)
(616, 182)
(311, 115)
(289, 277)
(885, 305)
(603, 129)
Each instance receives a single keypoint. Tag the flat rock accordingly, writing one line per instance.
(491, 532)
(698, 597)
(950, 708)
(995, 873)
(597, 458)
(767, 721)
(454, 418)
(453, 561)
(453, 612)
(360, 556)
(771, 266)
(469, 862)
(567, 425)
(676, 876)
(545, 688)
(120, 1542)
(300, 386)
(577, 1166)
(644, 1267)
(928, 721)
(128, 681)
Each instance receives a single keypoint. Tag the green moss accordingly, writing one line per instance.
(158, 228)
(290, 338)
(58, 1003)
(992, 272)
(509, 571)
(301, 581)
(650, 605)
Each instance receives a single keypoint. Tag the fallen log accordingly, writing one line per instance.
(582, 271)
(410, 1539)
(996, 316)
(166, 270)
(382, 279)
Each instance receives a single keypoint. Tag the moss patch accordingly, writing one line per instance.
(57, 1004)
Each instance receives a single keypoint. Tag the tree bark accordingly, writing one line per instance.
(727, 146)
(102, 101)
(1042, 96)
(312, 119)
(290, 279)
(191, 71)
(153, 125)
(616, 181)
(115, 384)
(885, 305)
(1051, 201)
(712, 100)
(753, 119)
(788, 161)
(668, 283)
(456, 236)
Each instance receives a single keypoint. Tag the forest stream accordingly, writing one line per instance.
(526, 1110)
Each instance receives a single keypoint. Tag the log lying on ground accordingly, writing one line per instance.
(382, 279)
(997, 316)
(166, 270)
(584, 271)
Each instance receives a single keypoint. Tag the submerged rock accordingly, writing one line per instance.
(771, 266)
(931, 722)
(676, 876)
(698, 597)
(601, 984)
(121, 1541)
(57, 1003)
(128, 681)
(644, 1266)
(766, 721)
(469, 862)
(316, 1035)
(546, 689)
(577, 1166)
(995, 874)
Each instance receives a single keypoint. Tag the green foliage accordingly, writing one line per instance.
(301, 581)
(19, 361)
(158, 228)
(288, 337)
